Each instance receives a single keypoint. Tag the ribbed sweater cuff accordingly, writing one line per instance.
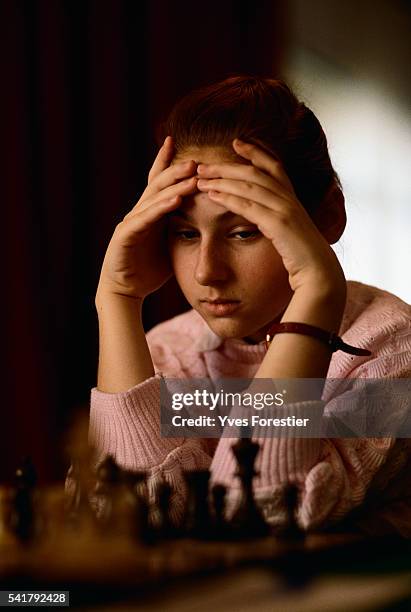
(282, 458)
(127, 426)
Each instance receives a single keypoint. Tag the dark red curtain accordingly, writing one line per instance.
(83, 85)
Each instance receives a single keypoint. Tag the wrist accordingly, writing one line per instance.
(107, 302)
(322, 307)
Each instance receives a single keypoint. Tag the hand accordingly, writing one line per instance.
(262, 193)
(136, 262)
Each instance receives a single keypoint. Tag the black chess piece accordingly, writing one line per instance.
(22, 517)
(26, 475)
(197, 523)
(164, 528)
(294, 567)
(220, 527)
(78, 509)
(291, 530)
(107, 490)
(141, 530)
(247, 520)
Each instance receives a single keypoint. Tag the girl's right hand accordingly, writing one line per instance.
(136, 262)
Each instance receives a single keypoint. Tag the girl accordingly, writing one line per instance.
(242, 204)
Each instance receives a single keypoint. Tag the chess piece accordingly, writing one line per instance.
(247, 520)
(164, 528)
(197, 518)
(22, 516)
(106, 489)
(220, 527)
(293, 564)
(141, 530)
(8, 540)
(122, 513)
(291, 530)
(80, 513)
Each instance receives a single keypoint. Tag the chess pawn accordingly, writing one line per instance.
(247, 520)
(294, 567)
(291, 529)
(197, 518)
(25, 475)
(22, 515)
(164, 526)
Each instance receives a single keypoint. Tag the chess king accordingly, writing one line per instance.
(242, 204)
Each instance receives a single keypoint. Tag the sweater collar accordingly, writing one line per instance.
(207, 340)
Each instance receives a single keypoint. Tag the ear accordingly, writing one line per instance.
(330, 217)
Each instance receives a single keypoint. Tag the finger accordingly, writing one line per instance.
(183, 188)
(261, 216)
(255, 213)
(170, 175)
(135, 224)
(163, 159)
(274, 200)
(262, 160)
(241, 172)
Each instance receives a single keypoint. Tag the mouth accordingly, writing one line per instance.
(220, 307)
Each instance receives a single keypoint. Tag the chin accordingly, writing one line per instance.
(228, 328)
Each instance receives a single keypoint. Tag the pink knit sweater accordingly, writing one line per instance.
(333, 474)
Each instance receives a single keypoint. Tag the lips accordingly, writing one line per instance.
(220, 301)
(221, 307)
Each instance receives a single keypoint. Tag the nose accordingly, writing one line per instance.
(211, 265)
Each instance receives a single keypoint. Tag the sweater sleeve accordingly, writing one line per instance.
(127, 426)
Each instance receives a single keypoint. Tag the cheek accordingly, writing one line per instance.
(264, 265)
(265, 280)
(182, 263)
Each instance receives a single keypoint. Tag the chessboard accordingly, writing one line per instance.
(106, 538)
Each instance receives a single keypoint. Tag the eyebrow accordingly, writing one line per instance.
(227, 215)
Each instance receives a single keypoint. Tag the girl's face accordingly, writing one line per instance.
(217, 255)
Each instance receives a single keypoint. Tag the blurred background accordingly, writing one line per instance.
(84, 83)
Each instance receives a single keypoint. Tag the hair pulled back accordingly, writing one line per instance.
(265, 112)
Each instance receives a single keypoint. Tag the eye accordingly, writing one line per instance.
(245, 234)
(184, 234)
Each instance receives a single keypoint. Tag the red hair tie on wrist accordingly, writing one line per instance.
(330, 338)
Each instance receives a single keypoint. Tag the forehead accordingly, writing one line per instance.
(207, 155)
(198, 206)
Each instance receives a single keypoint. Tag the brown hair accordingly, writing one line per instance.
(264, 112)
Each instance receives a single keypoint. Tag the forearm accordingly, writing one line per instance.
(124, 356)
(298, 356)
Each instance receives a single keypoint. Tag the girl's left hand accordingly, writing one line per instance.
(263, 194)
